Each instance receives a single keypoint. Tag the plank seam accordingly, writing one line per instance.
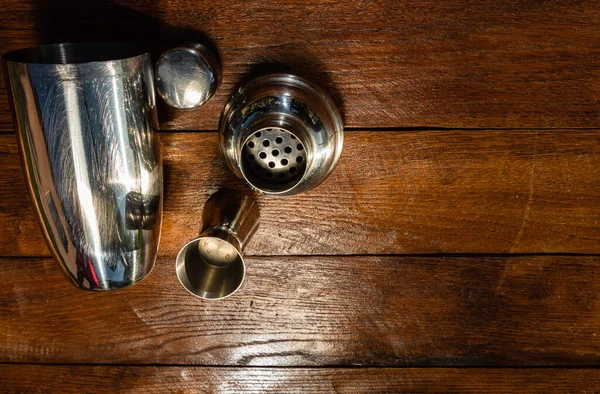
(395, 129)
(417, 255)
(349, 367)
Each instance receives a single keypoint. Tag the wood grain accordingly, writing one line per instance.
(393, 193)
(474, 130)
(310, 311)
(466, 64)
(134, 379)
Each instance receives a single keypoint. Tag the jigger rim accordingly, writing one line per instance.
(180, 260)
(75, 53)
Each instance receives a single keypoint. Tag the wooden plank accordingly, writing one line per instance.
(481, 63)
(392, 193)
(135, 379)
(309, 311)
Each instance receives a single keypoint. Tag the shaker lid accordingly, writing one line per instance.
(187, 76)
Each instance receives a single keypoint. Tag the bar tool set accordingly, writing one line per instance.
(86, 123)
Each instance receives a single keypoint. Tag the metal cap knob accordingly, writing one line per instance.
(187, 76)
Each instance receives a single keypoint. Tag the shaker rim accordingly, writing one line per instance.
(75, 53)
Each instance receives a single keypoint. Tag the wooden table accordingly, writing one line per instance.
(454, 248)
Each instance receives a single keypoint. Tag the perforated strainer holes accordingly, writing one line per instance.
(267, 155)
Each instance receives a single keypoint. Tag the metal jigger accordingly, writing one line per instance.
(212, 266)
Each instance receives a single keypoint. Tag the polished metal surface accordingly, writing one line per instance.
(212, 266)
(85, 119)
(187, 76)
(282, 134)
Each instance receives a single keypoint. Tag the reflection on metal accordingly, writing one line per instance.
(85, 119)
(211, 266)
(282, 134)
(187, 76)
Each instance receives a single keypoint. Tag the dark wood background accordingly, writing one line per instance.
(456, 247)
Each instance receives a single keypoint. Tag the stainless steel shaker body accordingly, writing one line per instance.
(85, 119)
